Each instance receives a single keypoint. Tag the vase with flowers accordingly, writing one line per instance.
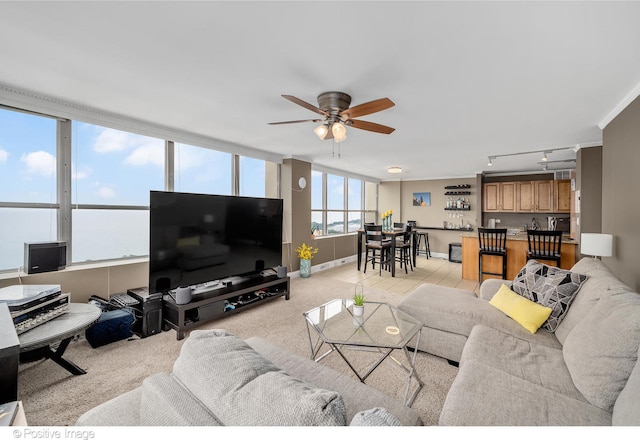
(305, 253)
(387, 220)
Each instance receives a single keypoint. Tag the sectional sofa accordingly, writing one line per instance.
(583, 370)
(219, 379)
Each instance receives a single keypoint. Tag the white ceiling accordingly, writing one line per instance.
(469, 79)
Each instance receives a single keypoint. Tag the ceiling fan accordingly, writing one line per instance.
(334, 107)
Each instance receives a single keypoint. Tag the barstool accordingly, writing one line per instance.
(492, 242)
(422, 240)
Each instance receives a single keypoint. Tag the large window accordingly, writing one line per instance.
(202, 170)
(89, 184)
(112, 174)
(252, 177)
(339, 204)
(28, 194)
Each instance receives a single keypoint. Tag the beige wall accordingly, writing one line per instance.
(82, 281)
(621, 192)
(589, 183)
(399, 197)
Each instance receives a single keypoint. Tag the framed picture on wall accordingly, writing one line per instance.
(422, 199)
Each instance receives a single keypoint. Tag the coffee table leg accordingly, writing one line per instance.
(412, 372)
(56, 356)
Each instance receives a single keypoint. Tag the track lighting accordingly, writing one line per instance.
(543, 160)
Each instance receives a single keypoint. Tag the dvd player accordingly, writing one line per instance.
(39, 314)
(25, 296)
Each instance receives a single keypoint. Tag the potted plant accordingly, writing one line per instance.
(358, 301)
(305, 253)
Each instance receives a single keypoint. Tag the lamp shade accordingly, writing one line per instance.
(597, 245)
(321, 131)
(339, 131)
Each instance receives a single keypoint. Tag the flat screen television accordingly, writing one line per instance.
(203, 238)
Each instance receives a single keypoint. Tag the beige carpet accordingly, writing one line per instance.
(53, 397)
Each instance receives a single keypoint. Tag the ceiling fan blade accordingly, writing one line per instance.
(370, 126)
(367, 108)
(295, 122)
(306, 105)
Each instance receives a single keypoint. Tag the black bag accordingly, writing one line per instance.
(112, 326)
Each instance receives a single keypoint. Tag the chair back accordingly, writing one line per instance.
(492, 240)
(402, 226)
(544, 243)
(412, 222)
(373, 233)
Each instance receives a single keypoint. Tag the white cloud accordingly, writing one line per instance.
(81, 173)
(151, 152)
(110, 140)
(39, 163)
(4, 155)
(106, 192)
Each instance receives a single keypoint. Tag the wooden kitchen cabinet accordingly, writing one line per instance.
(499, 197)
(544, 195)
(527, 196)
(562, 195)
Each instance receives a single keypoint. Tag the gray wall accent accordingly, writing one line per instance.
(620, 192)
(589, 182)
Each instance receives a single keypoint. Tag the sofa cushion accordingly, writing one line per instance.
(626, 411)
(374, 417)
(166, 402)
(602, 349)
(549, 286)
(525, 312)
(242, 388)
(356, 395)
(482, 395)
(601, 283)
(504, 380)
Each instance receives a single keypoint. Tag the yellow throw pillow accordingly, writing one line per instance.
(525, 312)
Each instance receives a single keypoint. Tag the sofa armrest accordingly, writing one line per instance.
(490, 287)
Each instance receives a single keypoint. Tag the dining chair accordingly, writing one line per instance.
(492, 241)
(544, 245)
(403, 249)
(378, 249)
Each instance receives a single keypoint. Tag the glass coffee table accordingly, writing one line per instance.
(382, 329)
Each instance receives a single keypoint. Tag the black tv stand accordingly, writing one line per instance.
(212, 305)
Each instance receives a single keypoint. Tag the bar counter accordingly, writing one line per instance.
(517, 246)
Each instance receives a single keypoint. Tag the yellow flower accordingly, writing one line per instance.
(306, 252)
(390, 212)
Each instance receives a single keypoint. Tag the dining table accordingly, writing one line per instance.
(392, 234)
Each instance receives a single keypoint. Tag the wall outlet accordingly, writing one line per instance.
(497, 221)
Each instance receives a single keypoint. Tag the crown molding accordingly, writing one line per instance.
(633, 94)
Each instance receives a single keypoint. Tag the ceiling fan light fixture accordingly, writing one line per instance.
(321, 131)
(394, 170)
(339, 131)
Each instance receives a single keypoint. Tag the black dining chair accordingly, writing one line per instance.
(378, 248)
(492, 242)
(403, 249)
(544, 245)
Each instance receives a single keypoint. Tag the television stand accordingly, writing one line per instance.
(212, 305)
